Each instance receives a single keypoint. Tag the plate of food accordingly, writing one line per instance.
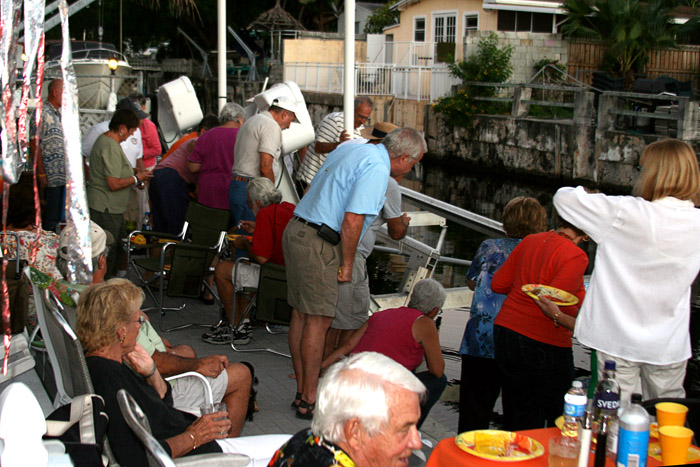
(497, 445)
(557, 296)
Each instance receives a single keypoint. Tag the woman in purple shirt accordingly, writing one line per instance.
(212, 158)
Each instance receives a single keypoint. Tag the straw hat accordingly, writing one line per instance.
(379, 131)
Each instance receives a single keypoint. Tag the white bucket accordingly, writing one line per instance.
(178, 108)
(299, 134)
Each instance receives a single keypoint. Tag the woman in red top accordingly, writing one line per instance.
(406, 335)
(271, 218)
(533, 351)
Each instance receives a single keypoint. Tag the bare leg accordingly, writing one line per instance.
(331, 341)
(296, 327)
(344, 336)
(224, 283)
(237, 395)
(312, 341)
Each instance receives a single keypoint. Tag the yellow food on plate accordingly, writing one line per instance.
(493, 444)
(139, 239)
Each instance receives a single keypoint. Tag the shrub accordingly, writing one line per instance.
(490, 64)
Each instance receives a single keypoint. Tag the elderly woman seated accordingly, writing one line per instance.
(108, 323)
(271, 218)
(407, 335)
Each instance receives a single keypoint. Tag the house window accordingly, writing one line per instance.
(419, 30)
(525, 21)
(471, 23)
(445, 28)
(357, 27)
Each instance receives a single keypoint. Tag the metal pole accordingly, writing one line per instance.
(221, 65)
(120, 26)
(349, 78)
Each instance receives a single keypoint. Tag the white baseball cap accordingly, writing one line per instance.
(284, 102)
(99, 238)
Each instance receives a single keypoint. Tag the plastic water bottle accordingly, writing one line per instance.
(574, 407)
(146, 224)
(633, 439)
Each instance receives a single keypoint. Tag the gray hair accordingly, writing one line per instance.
(356, 387)
(230, 112)
(405, 141)
(427, 295)
(263, 190)
(363, 100)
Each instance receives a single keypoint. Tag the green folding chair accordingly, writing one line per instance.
(185, 260)
(270, 302)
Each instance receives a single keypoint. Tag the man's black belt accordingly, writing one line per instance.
(310, 224)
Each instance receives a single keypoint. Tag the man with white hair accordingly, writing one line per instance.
(328, 222)
(366, 414)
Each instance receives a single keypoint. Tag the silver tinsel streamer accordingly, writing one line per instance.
(12, 157)
(80, 256)
(33, 41)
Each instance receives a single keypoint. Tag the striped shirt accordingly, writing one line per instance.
(328, 131)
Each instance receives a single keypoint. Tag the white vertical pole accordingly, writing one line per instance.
(349, 78)
(221, 66)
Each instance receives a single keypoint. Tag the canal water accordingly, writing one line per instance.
(486, 192)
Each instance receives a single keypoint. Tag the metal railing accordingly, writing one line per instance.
(420, 83)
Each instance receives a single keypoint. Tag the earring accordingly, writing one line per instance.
(122, 338)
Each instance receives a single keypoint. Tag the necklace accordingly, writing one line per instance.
(564, 234)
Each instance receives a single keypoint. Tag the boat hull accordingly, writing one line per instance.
(95, 81)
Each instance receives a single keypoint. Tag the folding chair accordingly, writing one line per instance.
(270, 302)
(157, 457)
(71, 374)
(185, 260)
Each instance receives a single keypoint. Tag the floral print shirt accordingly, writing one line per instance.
(305, 449)
(478, 335)
(47, 249)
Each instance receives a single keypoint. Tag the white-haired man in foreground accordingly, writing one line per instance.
(366, 414)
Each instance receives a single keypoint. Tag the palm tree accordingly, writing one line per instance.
(628, 28)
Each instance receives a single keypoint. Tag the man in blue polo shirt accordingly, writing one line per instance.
(321, 239)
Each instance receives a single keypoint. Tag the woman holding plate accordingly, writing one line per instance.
(534, 352)
(638, 306)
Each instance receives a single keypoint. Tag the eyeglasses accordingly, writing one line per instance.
(141, 320)
(363, 118)
(439, 312)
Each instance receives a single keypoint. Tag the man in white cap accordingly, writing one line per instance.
(257, 153)
(100, 241)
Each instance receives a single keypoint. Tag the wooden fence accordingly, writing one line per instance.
(682, 64)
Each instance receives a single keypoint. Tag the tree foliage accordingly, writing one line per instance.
(381, 18)
(490, 64)
(628, 28)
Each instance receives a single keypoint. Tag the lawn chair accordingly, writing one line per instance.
(157, 457)
(185, 260)
(270, 302)
(65, 351)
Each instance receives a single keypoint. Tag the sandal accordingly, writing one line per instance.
(296, 401)
(310, 408)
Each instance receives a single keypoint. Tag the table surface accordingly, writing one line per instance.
(446, 453)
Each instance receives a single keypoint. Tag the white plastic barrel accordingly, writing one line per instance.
(178, 108)
(299, 134)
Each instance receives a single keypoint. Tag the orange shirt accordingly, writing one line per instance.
(179, 143)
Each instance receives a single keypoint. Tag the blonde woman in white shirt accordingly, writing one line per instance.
(637, 307)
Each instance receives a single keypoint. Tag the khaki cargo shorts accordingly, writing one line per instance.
(312, 270)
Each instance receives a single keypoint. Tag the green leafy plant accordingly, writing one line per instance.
(490, 64)
(381, 18)
(629, 29)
